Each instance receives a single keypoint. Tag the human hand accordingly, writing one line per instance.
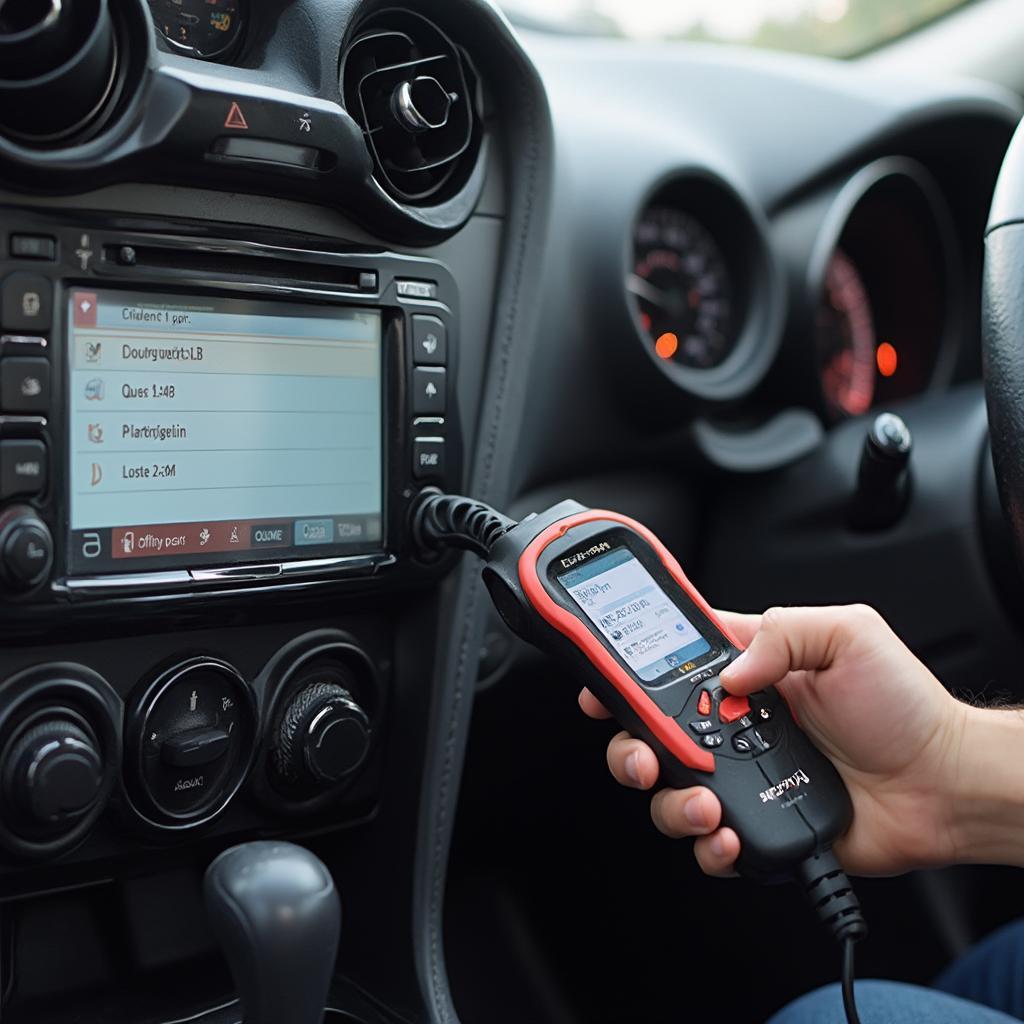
(887, 724)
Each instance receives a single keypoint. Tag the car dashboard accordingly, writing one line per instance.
(271, 270)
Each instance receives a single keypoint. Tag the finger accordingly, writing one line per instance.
(632, 762)
(686, 812)
(592, 706)
(790, 639)
(716, 854)
(743, 627)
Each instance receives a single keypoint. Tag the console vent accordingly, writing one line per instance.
(414, 93)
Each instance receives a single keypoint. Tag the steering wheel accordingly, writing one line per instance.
(1002, 321)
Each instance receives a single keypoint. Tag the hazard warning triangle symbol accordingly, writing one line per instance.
(235, 118)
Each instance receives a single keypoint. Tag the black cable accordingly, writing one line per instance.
(849, 1002)
(834, 901)
(452, 521)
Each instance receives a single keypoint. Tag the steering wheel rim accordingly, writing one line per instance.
(1002, 331)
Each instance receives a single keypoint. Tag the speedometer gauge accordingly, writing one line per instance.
(207, 29)
(845, 339)
(683, 289)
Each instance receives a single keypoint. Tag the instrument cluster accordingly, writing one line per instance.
(205, 29)
(874, 291)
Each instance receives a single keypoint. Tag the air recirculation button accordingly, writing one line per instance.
(324, 736)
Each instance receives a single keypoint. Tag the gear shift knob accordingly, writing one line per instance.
(277, 916)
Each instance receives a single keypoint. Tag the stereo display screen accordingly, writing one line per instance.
(206, 431)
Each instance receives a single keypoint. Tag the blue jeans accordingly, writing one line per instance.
(985, 986)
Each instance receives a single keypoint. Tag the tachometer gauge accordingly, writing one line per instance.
(683, 289)
(845, 340)
(207, 29)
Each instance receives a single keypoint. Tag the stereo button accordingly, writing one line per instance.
(427, 457)
(27, 553)
(24, 385)
(314, 531)
(22, 468)
(27, 303)
(271, 535)
(428, 391)
(416, 289)
(33, 247)
(429, 340)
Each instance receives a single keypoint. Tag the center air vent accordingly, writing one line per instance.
(414, 94)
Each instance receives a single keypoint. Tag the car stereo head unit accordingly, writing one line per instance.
(207, 430)
(182, 411)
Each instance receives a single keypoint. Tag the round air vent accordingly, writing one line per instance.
(415, 95)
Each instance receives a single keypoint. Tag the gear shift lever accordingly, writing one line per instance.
(276, 913)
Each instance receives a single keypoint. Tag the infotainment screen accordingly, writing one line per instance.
(210, 430)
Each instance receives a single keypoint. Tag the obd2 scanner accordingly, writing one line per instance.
(600, 593)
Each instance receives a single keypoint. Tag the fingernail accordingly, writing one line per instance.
(735, 664)
(693, 811)
(717, 846)
(632, 767)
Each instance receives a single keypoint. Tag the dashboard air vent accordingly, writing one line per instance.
(414, 93)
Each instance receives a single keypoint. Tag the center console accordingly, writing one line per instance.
(194, 421)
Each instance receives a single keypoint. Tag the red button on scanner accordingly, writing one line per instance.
(704, 703)
(733, 708)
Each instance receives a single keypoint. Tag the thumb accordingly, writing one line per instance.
(789, 639)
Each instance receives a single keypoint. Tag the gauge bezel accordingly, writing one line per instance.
(843, 207)
(740, 230)
(221, 56)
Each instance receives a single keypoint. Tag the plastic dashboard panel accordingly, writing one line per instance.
(177, 112)
(629, 116)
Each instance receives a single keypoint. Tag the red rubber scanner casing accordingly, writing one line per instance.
(575, 629)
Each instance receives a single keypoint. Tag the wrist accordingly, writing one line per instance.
(985, 793)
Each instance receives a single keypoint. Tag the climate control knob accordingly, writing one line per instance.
(324, 736)
(53, 774)
(26, 549)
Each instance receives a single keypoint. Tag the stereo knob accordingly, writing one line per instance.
(26, 549)
(54, 773)
(324, 736)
